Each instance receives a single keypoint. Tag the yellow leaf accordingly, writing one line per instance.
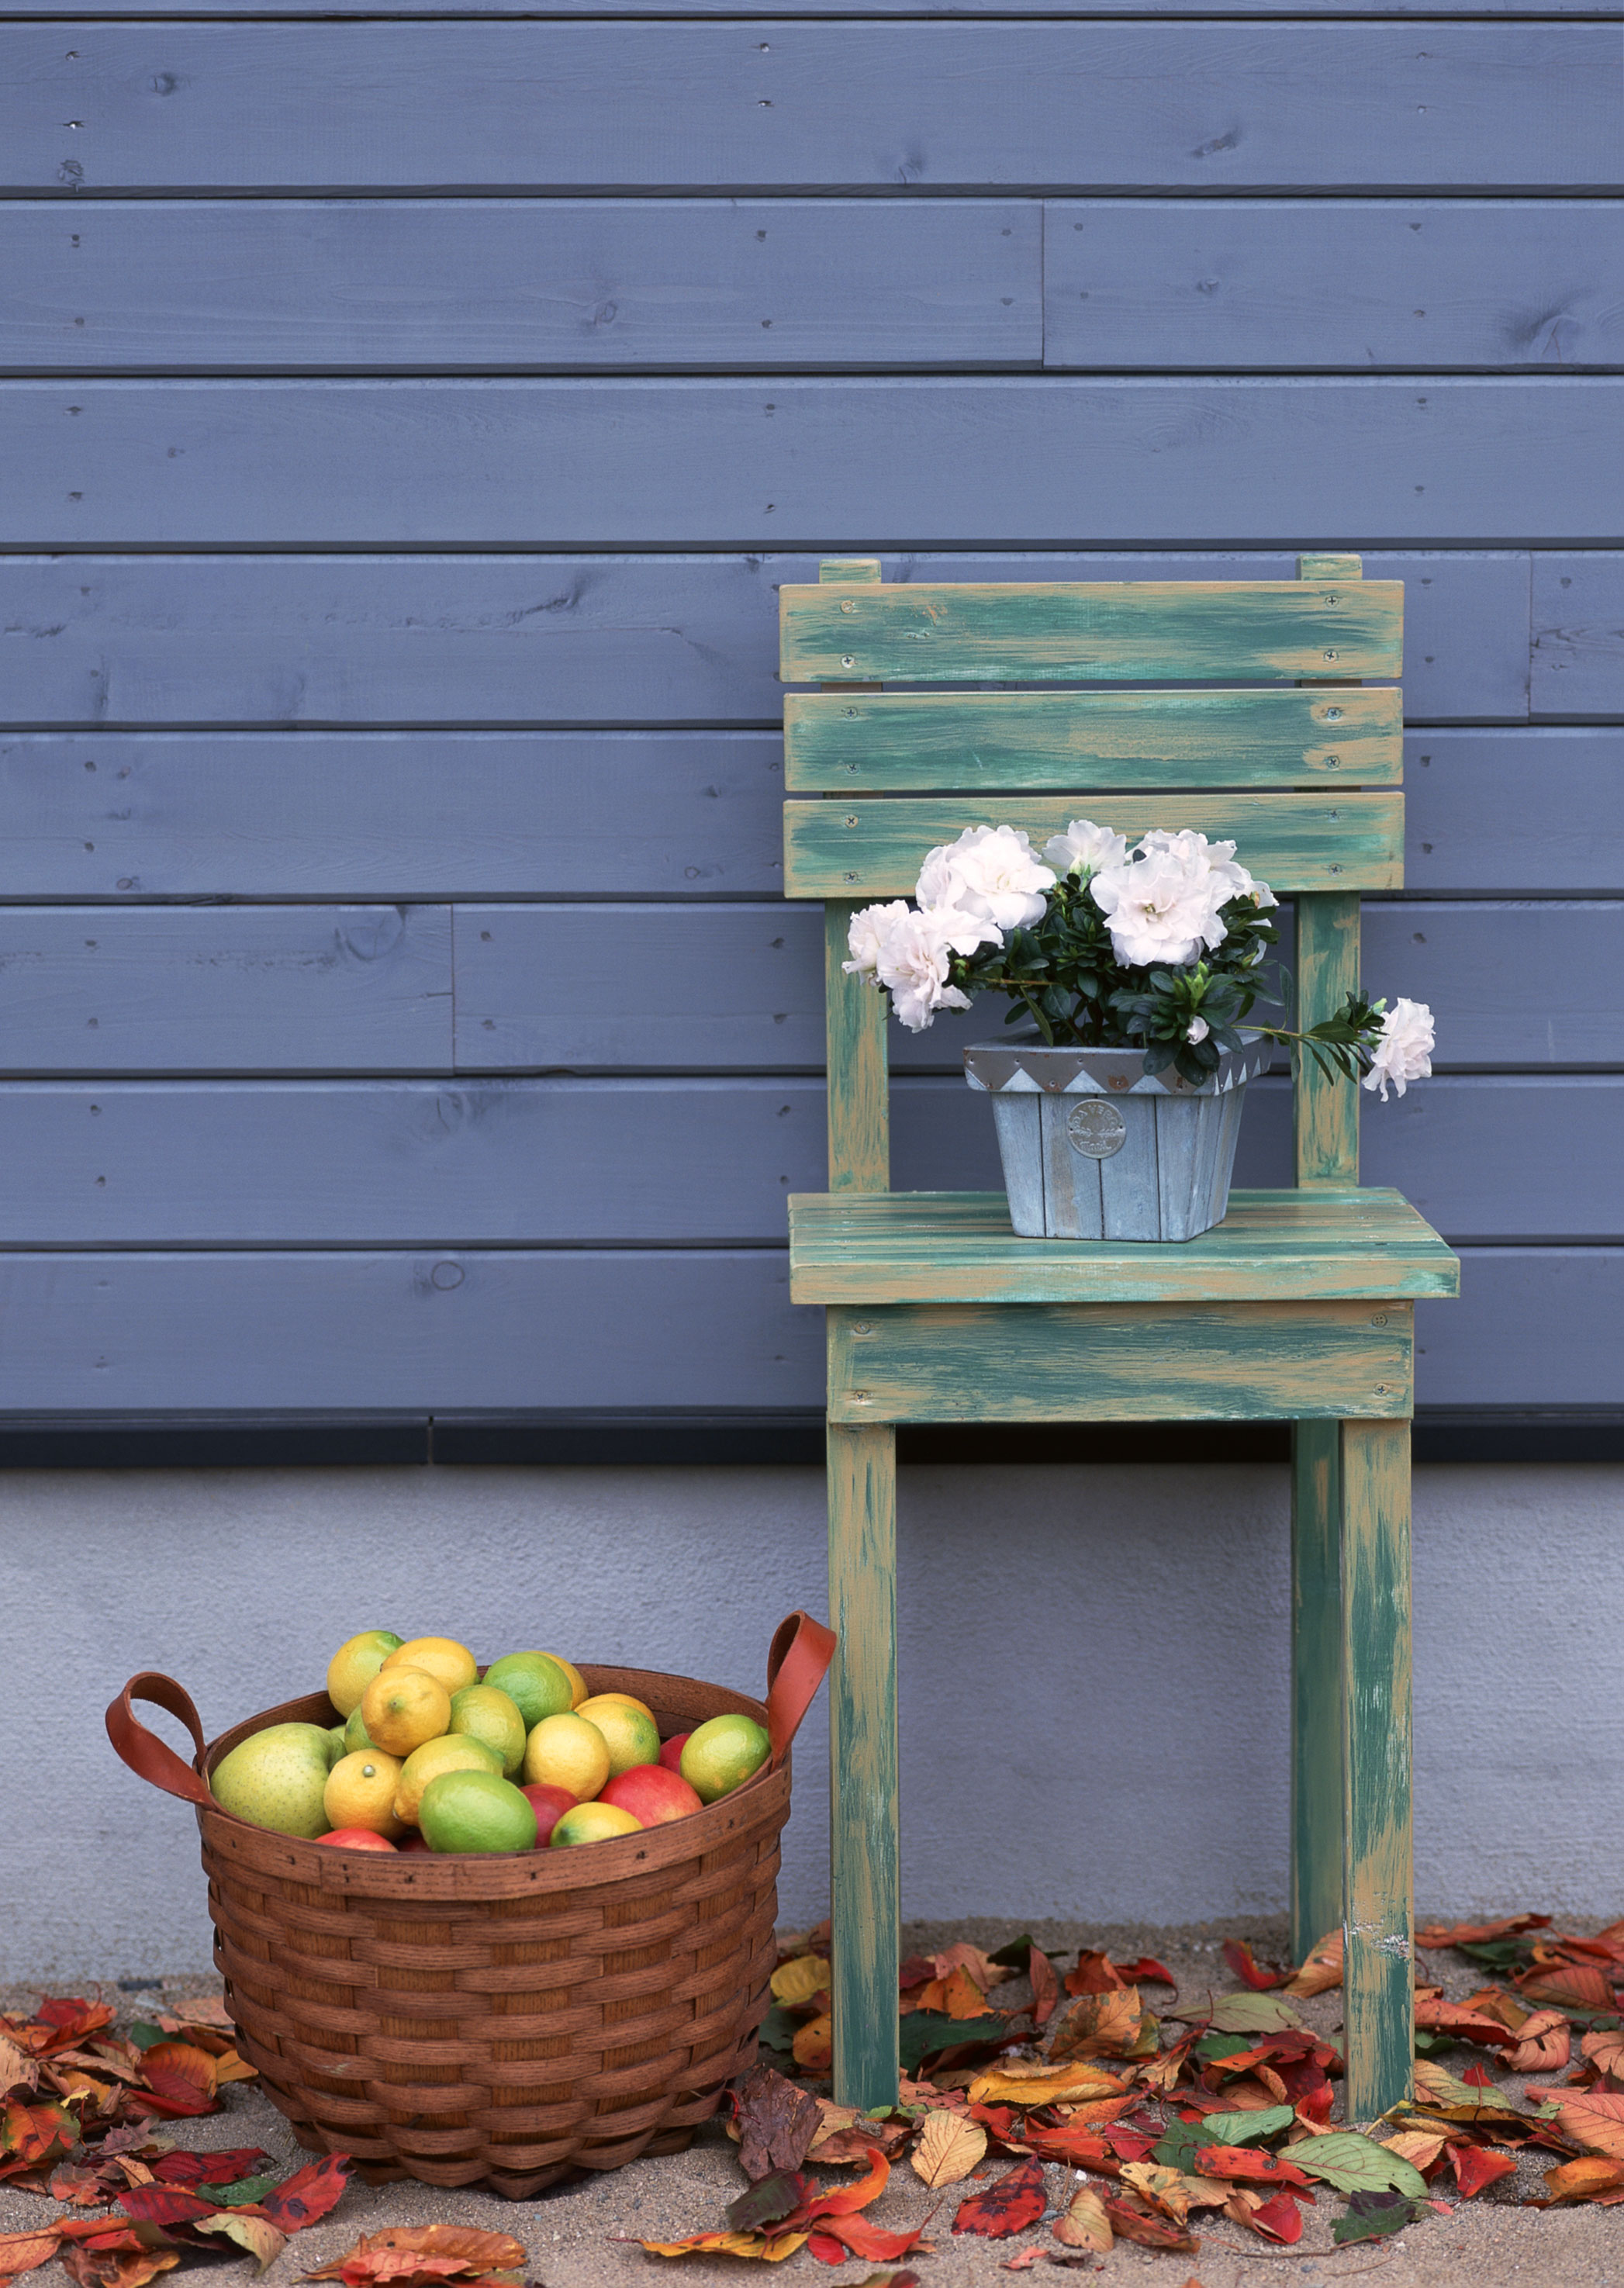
(229, 2067)
(796, 1982)
(16, 2071)
(1420, 2147)
(949, 2149)
(815, 2044)
(1321, 1969)
(256, 2234)
(772, 2248)
(1071, 2083)
(1163, 2189)
(1085, 2224)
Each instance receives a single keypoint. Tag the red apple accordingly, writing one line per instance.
(413, 1842)
(651, 1793)
(550, 1804)
(356, 1838)
(670, 1751)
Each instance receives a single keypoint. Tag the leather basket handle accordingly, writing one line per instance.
(798, 1660)
(146, 1755)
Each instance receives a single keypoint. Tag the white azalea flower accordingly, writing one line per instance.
(1162, 906)
(1197, 1029)
(1085, 848)
(867, 935)
(1194, 851)
(1404, 1052)
(913, 967)
(991, 872)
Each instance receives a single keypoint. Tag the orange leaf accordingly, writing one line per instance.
(1437, 1935)
(1321, 1967)
(771, 2247)
(1250, 1971)
(1066, 2082)
(1045, 1987)
(1605, 2052)
(1247, 2165)
(25, 2252)
(404, 2253)
(1094, 1974)
(1129, 2223)
(1010, 2203)
(979, 1967)
(1461, 2024)
(1583, 2180)
(815, 2044)
(961, 1997)
(1593, 2119)
(1475, 2167)
(1085, 2224)
(1578, 1985)
(1113, 2024)
(855, 2235)
(1544, 2043)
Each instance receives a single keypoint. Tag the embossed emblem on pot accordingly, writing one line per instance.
(1096, 1128)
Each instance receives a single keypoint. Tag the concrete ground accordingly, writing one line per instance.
(572, 2232)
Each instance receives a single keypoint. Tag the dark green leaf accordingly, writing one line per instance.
(926, 2033)
(245, 2190)
(1372, 2216)
(1015, 1955)
(773, 2197)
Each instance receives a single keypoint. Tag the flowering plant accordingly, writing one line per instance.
(1163, 947)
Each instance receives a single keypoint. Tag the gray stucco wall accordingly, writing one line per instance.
(1094, 1668)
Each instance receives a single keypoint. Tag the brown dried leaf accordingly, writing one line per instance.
(429, 2253)
(948, 2149)
(778, 2123)
(1322, 1968)
(1164, 2190)
(1045, 1987)
(1111, 2025)
(975, 1964)
(1085, 2224)
(17, 2071)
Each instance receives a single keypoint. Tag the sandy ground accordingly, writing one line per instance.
(572, 2233)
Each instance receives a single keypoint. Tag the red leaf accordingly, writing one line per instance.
(187, 2168)
(857, 2234)
(1134, 2224)
(1241, 1960)
(307, 2194)
(1479, 2078)
(1246, 2165)
(1094, 1974)
(1145, 1971)
(1475, 2166)
(65, 2023)
(162, 2205)
(1010, 2203)
(1280, 2219)
(1045, 1987)
(1461, 2024)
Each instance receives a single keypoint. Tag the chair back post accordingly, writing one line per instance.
(859, 1081)
(1326, 1113)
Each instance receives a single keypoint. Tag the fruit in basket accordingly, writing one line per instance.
(671, 1750)
(451, 1753)
(569, 1752)
(592, 1823)
(580, 1690)
(626, 1700)
(441, 1656)
(537, 1684)
(355, 1663)
(403, 1707)
(549, 1804)
(355, 1734)
(651, 1793)
(482, 1712)
(632, 1735)
(476, 1811)
(357, 1838)
(277, 1779)
(335, 1746)
(722, 1755)
(360, 1792)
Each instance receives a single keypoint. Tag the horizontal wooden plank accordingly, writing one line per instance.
(563, 1162)
(1119, 1363)
(1306, 286)
(363, 1329)
(872, 848)
(1515, 810)
(908, 461)
(892, 1248)
(334, 988)
(1533, 1327)
(1186, 632)
(1578, 648)
(1308, 10)
(483, 284)
(354, 640)
(841, 742)
(939, 105)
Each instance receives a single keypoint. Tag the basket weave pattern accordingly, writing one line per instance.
(512, 2019)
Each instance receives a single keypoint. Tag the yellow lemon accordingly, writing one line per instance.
(360, 1792)
(486, 1714)
(580, 1690)
(403, 1707)
(355, 1663)
(626, 1701)
(629, 1731)
(592, 1823)
(566, 1751)
(453, 1752)
(441, 1656)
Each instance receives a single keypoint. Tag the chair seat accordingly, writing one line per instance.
(958, 1247)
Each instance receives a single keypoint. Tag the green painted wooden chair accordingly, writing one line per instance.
(1298, 1306)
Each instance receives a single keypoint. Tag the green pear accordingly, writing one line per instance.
(276, 1779)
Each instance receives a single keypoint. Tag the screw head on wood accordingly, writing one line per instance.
(847, 659)
(1330, 655)
(848, 607)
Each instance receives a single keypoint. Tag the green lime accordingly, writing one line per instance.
(276, 1779)
(488, 1714)
(722, 1755)
(476, 1811)
(336, 1744)
(534, 1682)
(355, 1733)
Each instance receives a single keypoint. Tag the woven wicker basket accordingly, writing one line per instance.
(506, 2019)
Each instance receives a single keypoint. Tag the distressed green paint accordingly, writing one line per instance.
(1378, 1972)
(1118, 1362)
(1326, 1112)
(872, 847)
(1109, 632)
(865, 1912)
(845, 743)
(859, 1097)
(1316, 1684)
(850, 568)
(1330, 568)
(943, 1247)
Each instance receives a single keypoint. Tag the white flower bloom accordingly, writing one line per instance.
(1162, 906)
(867, 935)
(1085, 848)
(1193, 851)
(1404, 1052)
(913, 967)
(1197, 1029)
(991, 872)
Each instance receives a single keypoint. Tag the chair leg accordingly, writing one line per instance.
(863, 1841)
(1379, 1973)
(1316, 1685)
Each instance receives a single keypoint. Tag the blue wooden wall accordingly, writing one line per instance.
(405, 425)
